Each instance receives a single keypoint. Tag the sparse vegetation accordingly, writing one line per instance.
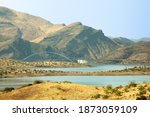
(96, 96)
(105, 96)
(63, 91)
(11, 68)
(132, 84)
(109, 87)
(148, 89)
(8, 89)
(38, 82)
(26, 85)
(67, 82)
(141, 98)
(142, 90)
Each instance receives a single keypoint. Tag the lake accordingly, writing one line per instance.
(90, 69)
(87, 80)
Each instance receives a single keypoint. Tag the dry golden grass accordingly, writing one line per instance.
(69, 91)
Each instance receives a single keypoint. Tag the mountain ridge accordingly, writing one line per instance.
(23, 35)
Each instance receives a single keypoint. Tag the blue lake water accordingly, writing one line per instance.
(87, 80)
(91, 69)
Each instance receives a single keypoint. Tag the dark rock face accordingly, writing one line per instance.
(80, 42)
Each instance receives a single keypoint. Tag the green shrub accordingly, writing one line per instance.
(62, 98)
(38, 82)
(61, 88)
(96, 88)
(142, 92)
(109, 87)
(141, 88)
(148, 89)
(8, 89)
(141, 98)
(105, 96)
(26, 85)
(126, 88)
(118, 93)
(132, 84)
(67, 82)
(96, 96)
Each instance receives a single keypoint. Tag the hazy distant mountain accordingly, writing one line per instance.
(135, 53)
(144, 39)
(123, 41)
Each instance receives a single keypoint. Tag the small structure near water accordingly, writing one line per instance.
(82, 61)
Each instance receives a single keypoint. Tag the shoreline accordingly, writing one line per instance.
(34, 73)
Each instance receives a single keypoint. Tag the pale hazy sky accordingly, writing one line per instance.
(126, 18)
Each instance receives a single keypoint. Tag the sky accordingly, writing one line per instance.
(117, 18)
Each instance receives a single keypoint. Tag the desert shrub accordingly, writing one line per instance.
(61, 88)
(148, 98)
(105, 96)
(8, 89)
(38, 82)
(96, 96)
(117, 92)
(141, 88)
(141, 98)
(126, 89)
(67, 82)
(132, 84)
(109, 87)
(148, 89)
(119, 87)
(142, 92)
(96, 88)
(62, 98)
(26, 85)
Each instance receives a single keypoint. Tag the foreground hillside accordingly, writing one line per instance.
(69, 91)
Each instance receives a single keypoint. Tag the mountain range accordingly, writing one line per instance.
(27, 37)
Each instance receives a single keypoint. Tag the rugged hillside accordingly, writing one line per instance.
(32, 27)
(136, 53)
(123, 41)
(80, 42)
(19, 31)
(23, 35)
(13, 46)
(74, 41)
(8, 34)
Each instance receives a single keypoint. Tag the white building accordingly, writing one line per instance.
(82, 61)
